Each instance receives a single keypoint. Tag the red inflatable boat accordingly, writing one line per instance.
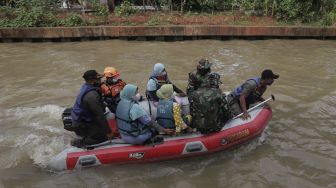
(233, 133)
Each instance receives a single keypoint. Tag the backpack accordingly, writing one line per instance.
(207, 110)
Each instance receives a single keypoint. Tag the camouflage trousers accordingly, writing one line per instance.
(234, 105)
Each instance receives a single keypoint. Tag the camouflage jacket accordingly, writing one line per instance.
(195, 81)
(209, 109)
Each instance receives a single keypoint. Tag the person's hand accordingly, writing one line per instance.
(245, 116)
(109, 136)
(168, 131)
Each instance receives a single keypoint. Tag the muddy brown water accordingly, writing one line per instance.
(298, 148)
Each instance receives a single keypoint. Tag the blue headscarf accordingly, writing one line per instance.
(128, 93)
(158, 68)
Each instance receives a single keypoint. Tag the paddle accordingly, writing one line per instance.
(256, 106)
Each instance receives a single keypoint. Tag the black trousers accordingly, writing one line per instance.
(90, 133)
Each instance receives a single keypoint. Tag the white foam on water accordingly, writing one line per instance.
(53, 111)
(252, 145)
(265, 134)
(223, 68)
(39, 135)
(38, 126)
(41, 149)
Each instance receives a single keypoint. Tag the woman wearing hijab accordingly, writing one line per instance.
(158, 78)
(169, 112)
(134, 124)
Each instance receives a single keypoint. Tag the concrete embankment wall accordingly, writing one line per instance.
(162, 33)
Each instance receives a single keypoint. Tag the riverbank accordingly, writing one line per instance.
(163, 33)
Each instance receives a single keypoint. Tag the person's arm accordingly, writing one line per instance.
(242, 102)
(94, 103)
(191, 83)
(178, 90)
(151, 90)
(105, 90)
(248, 87)
(147, 120)
(152, 95)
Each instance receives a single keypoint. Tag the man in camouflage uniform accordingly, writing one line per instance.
(198, 77)
(209, 108)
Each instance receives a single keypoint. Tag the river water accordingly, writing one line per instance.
(297, 149)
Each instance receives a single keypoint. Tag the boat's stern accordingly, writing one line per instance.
(59, 162)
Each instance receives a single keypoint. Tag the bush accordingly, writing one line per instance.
(46, 5)
(329, 19)
(31, 13)
(290, 10)
(153, 20)
(5, 22)
(6, 12)
(73, 19)
(125, 9)
(35, 17)
(100, 10)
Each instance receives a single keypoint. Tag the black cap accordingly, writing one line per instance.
(268, 74)
(91, 74)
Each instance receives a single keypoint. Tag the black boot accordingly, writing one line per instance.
(158, 139)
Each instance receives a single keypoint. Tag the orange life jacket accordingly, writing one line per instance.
(112, 90)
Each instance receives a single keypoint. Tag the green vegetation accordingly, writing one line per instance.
(37, 13)
(329, 18)
(28, 13)
(74, 19)
(40, 13)
(101, 10)
(125, 9)
(154, 20)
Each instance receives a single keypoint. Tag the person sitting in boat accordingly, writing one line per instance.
(209, 108)
(250, 92)
(112, 87)
(169, 112)
(157, 79)
(198, 76)
(88, 113)
(134, 124)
